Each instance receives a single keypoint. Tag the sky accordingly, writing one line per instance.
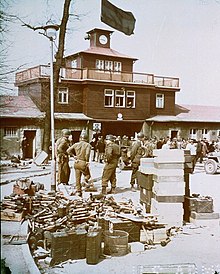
(172, 38)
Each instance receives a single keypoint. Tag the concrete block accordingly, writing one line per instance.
(169, 154)
(168, 198)
(169, 188)
(136, 247)
(166, 208)
(147, 170)
(204, 216)
(169, 172)
(163, 178)
(166, 165)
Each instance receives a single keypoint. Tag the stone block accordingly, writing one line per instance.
(166, 165)
(147, 170)
(169, 172)
(168, 178)
(169, 155)
(169, 188)
(169, 199)
(166, 209)
(204, 216)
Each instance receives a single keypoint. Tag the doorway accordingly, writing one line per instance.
(29, 150)
(76, 135)
(173, 134)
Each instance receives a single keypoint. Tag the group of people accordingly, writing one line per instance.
(111, 149)
(80, 151)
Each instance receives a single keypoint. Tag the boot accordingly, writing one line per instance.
(104, 190)
(112, 191)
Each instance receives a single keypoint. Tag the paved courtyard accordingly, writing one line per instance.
(196, 245)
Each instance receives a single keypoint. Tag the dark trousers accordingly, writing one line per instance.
(135, 168)
(63, 170)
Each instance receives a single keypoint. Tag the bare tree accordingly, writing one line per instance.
(6, 69)
(56, 66)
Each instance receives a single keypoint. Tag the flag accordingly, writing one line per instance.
(116, 18)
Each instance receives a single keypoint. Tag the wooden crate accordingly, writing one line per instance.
(9, 215)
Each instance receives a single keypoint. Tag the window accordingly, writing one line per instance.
(204, 131)
(109, 97)
(74, 63)
(10, 131)
(63, 96)
(100, 64)
(193, 133)
(108, 65)
(159, 100)
(120, 98)
(117, 66)
(130, 103)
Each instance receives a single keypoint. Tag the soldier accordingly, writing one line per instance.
(62, 145)
(81, 152)
(112, 154)
(137, 151)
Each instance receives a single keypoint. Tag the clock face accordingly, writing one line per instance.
(103, 39)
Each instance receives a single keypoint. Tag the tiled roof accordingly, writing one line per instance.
(105, 51)
(191, 113)
(19, 107)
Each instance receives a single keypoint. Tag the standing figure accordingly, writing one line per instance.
(112, 155)
(62, 144)
(23, 147)
(137, 151)
(100, 149)
(192, 148)
(81, 152)
(93, 144)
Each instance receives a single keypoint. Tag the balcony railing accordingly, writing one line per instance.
(94, 74)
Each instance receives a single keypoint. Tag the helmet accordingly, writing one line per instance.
(140, 135)
(66, 132)
(110, 137)
(84, 135)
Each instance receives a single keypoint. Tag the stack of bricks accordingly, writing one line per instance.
(168, 188)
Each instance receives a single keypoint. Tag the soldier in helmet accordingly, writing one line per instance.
(81, 152)
(62, 144)
(137, 151)
(112, 154)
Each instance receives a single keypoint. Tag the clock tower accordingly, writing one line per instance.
(99, 38)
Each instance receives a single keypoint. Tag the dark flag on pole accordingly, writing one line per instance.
(116, 18)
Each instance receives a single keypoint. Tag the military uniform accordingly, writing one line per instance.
(112, 154)
(137, 151)
(62, 145)
(81, 150)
